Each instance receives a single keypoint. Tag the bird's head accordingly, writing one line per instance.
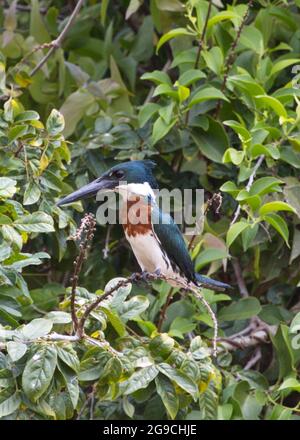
(135, 172)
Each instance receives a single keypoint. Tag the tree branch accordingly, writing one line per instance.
(55, 44)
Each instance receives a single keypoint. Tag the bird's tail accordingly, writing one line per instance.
(211, 284)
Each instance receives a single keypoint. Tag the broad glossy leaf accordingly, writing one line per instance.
(167, 393)
(38, 371)
(243, 309)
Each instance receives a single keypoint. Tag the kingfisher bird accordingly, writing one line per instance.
(156, 241)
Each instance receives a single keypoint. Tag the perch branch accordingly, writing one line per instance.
(55, 44)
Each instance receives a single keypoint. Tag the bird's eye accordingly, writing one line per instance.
(117, 174)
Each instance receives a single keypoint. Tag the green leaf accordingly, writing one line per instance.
(230, 187)
(206, 94)
(58, 317)
(71, 381)
(243, 309)
(32, 194)
(115, 321)
(37, 328)
(234, 231)
(134, 307)
(282, 64)
(16, 131)
(190, 76)
(162, 345)
(279, 224)
(38, 371)
(181, 379)
(74, 109)
(158, 77)
(212, 142)
(146, 113)
(12, 236)
(16, 350)
(36, 222)
(242, 131)
(160, 129)
(10, 405)
(140, 379)
(234, 156)
(128, 407)
(166, 391)
(252, 38)
(275, 206)
(29, 115)
(69, 356)
(285, 354)
(55, 123)
(37, 26)
(208, 256)
(273, 103)
(178, 32)
(264, 185)
(221, 16)
(180, 326)
(214, 59)
(7, 187)
(290, 383)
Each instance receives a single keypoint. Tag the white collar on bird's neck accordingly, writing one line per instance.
(130, 190)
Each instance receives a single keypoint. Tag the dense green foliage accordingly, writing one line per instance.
(210, 92)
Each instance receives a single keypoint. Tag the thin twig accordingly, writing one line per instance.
(201, 41)
(248, 186)
(239, 278)
(55, 44)
(85, 234)
(162, 315)
(232, 55)
(254, 359)
(200, 46)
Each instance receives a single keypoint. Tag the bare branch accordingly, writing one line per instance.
(55, 44)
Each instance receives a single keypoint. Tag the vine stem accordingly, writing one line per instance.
(55, 44)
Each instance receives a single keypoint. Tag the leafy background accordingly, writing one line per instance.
(210, 91)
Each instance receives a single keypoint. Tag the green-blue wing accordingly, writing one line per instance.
(172, 242)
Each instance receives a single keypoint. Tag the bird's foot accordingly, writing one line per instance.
(146, 276)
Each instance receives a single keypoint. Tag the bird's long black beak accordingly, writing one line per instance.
(89, 190)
